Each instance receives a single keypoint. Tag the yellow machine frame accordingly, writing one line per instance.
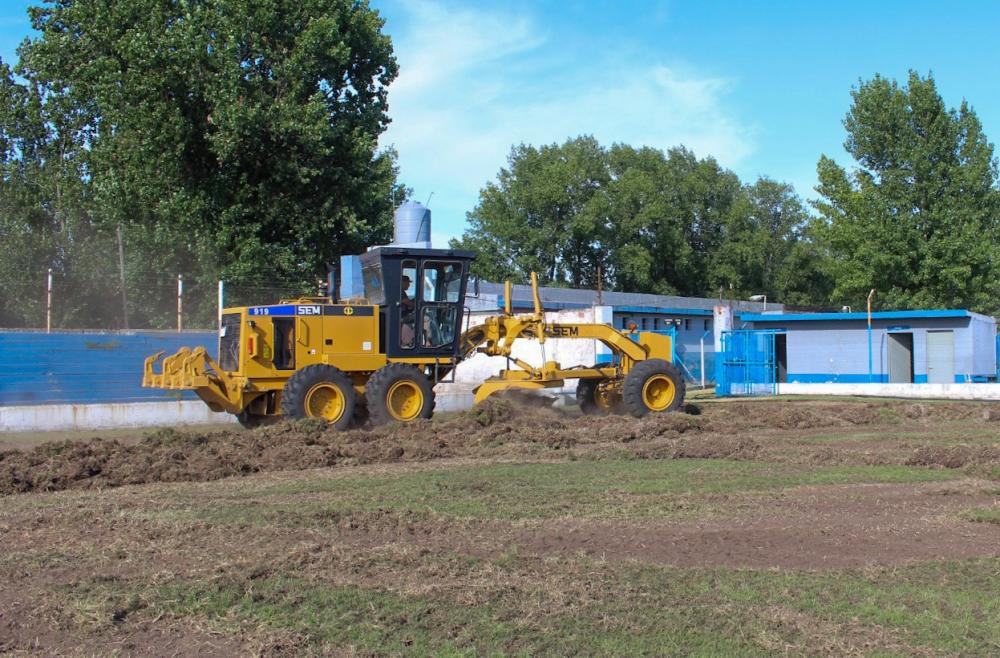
(495, 337)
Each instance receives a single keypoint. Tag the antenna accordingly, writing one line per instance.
(429, 197)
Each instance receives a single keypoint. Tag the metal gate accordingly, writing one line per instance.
(745, 365)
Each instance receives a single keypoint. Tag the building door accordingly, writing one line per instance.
(941, 357)
(901, 358)
(780, 358)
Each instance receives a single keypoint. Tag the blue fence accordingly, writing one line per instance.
(746, 365)
(86, 367)
(689, 362)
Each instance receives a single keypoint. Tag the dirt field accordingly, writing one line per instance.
(737, 528)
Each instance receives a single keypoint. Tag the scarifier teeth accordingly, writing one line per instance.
(149, 378)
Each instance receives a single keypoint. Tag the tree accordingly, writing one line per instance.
(535, 217)
(228, 138)
(768, 248)
(918, 217)
(651, 221)
(42, 221)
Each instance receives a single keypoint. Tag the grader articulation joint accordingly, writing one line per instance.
(380, 358)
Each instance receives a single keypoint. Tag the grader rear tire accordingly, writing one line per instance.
(653, 385)
(399, 393)
(320, 391)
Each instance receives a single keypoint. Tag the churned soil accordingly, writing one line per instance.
(904, 433)
(822, 527)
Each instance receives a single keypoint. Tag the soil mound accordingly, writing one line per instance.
(175, 456)
(508, 426)
(794, 414)
(958, 456)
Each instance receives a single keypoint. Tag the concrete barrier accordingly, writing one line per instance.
(919, 391)
(48, 417)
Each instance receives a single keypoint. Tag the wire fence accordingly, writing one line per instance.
(46, 301)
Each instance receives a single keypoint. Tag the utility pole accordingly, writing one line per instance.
(871, 373)
(180, 302)
(121, 272)
(48, 304)
(222, 299)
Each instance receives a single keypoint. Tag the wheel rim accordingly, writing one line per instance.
(658, 392)
(326, 401)
(405, 400)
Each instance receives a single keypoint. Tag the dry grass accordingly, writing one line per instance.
(821, 529)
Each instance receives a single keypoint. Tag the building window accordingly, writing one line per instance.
(624, 322)
(706, 325)
(687, 325)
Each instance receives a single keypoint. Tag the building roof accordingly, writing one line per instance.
(878, 315)
(628, 302)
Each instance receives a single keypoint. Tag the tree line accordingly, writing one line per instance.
(917, 217)
(222, 139)
(238, 140)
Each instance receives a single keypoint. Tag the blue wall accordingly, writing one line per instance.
(82, 368)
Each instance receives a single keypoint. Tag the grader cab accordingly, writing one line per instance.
(380, 356)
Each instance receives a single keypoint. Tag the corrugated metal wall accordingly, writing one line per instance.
(86, 367)
(984, 344)
(837, 351)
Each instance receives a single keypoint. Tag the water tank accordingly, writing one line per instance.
(412, 225)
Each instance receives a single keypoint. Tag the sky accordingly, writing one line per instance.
(761, 86)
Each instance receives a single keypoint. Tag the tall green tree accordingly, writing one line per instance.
(535, 217)
(227, 138)
(769, 249)
(918, 217)
(651, 221)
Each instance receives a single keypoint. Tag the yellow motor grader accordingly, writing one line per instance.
(380, 356)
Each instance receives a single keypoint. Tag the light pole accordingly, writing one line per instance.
(760, 298)
(871, 375)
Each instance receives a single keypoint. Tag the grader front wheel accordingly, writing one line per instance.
(399, 393)
(653, 385)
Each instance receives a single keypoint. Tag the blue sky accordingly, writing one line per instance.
(762, 86)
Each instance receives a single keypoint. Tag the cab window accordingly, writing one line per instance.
(442, 281)
(374, 290)
(438, 325)
(407, 295)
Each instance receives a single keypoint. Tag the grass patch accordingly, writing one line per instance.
(579, 607)
(983, 515)
(379, 622)
(623, 490)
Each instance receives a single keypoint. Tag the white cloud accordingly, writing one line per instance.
(473, 83)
